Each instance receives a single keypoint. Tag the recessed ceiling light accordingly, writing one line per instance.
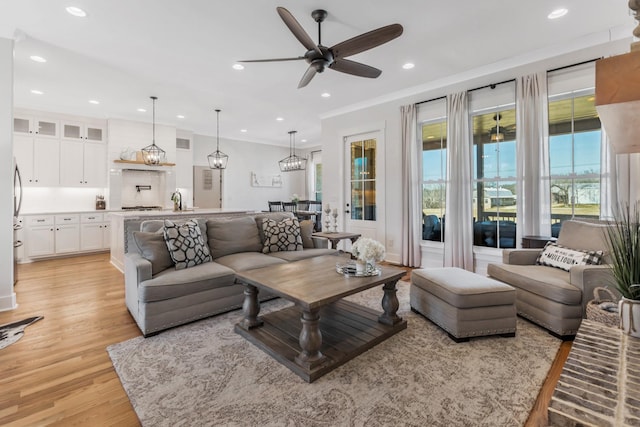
(558, 13)
(36, 92)
(408, 66)
(37, 58)
(279, 119)
(303, 140)
(180, 116)
(238, 67)
(430, 137)
(76, 11)
(93, 101)
(243, 130)
(142, 110)
(325, 95)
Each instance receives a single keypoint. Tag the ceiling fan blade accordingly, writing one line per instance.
(355, 68)
(297, 30)
(308, 75)
(366, 41)
(272, 60)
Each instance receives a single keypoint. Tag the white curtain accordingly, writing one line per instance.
(532, 157)
(412, 188)
(458, 247)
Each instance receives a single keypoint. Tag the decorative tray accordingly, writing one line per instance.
(351, 269)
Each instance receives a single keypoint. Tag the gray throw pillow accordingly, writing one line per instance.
(306, 229)
(281, 236)
(153, 248)
(232, 236)
(185, 244)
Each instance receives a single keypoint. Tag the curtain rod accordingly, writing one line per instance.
(573, 65)
(493, 85)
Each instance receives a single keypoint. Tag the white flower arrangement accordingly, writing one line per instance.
(365, 249)
(295, 198)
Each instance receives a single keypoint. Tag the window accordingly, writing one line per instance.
(493, 121)
(434, 173)
(574, 146)
(315, 177)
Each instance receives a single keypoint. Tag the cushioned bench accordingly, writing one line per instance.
(464, 304)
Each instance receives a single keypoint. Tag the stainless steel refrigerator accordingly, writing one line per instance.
(17, 226)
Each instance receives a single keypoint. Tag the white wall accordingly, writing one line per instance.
(7, 295)
(244, 158)
(336, 126)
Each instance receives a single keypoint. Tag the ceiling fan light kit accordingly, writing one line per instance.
(292, 162)
(320, 57)
(152, 154)
(217, 159)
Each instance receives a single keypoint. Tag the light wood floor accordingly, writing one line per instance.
(60, 374)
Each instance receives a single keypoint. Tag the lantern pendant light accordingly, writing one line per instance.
(217, 159)
(152, 154)
(292, 162)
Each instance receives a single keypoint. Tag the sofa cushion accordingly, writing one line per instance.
(153, 248)
(281, 236)
(229, 236)
(173, 283)
(548, 282)
(278, 216)
(554, 255)
(306, 229)
(185, 244)
(586, 236)
(303, 254)
(248, 261)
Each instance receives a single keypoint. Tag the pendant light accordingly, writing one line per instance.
(292, 162)
(217, 159)
(152, 154)
(496, 132)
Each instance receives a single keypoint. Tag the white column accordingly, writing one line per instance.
(7, 296)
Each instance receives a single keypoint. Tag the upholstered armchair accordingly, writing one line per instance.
(549, 296)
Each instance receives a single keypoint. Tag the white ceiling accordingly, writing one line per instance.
(182, 52)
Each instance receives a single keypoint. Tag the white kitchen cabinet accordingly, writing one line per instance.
(40, 234)
(31, 125)
(83, 131)
(94, 232)
(67, 235)
(82, 164)
(38, 159)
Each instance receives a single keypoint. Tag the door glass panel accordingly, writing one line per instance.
(363, 176)
(95, 134)
(72, 131)
(21, 125)
(46, 128)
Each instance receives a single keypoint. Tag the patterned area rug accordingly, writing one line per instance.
(205, 374)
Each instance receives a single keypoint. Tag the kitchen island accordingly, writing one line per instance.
(124, 223)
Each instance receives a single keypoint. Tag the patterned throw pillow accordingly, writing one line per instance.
(554, 255)
(185, 244)
(281, 236)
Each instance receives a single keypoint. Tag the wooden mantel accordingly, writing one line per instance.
(140, 162)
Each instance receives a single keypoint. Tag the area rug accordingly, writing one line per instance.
(12, 332)
(204, 374)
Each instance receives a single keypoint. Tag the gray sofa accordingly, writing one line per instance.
(551, 297)
(160, 297)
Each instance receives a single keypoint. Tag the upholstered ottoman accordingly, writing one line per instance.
(464, 304)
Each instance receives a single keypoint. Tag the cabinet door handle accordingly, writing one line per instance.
(39, 220)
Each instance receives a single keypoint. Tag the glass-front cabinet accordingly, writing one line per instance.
(29, 125)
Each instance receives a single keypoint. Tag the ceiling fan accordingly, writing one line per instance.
(320, 57)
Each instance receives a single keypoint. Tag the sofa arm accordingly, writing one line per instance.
(136, 270)
(589, 277)
(520, 256)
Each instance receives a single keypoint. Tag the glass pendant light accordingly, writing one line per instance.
(217, 159)
(292, 162)
(152, 154)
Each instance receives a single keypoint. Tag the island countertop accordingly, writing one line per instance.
(131, 214)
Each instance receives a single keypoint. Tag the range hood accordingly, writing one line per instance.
(618, 99)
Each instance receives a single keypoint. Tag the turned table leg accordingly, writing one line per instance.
(390, 305)
(310, 340)
(250, 308)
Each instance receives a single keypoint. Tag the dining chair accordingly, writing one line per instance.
(289, 206)
(275, 207)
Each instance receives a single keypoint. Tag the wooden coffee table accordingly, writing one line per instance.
(321, 331)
